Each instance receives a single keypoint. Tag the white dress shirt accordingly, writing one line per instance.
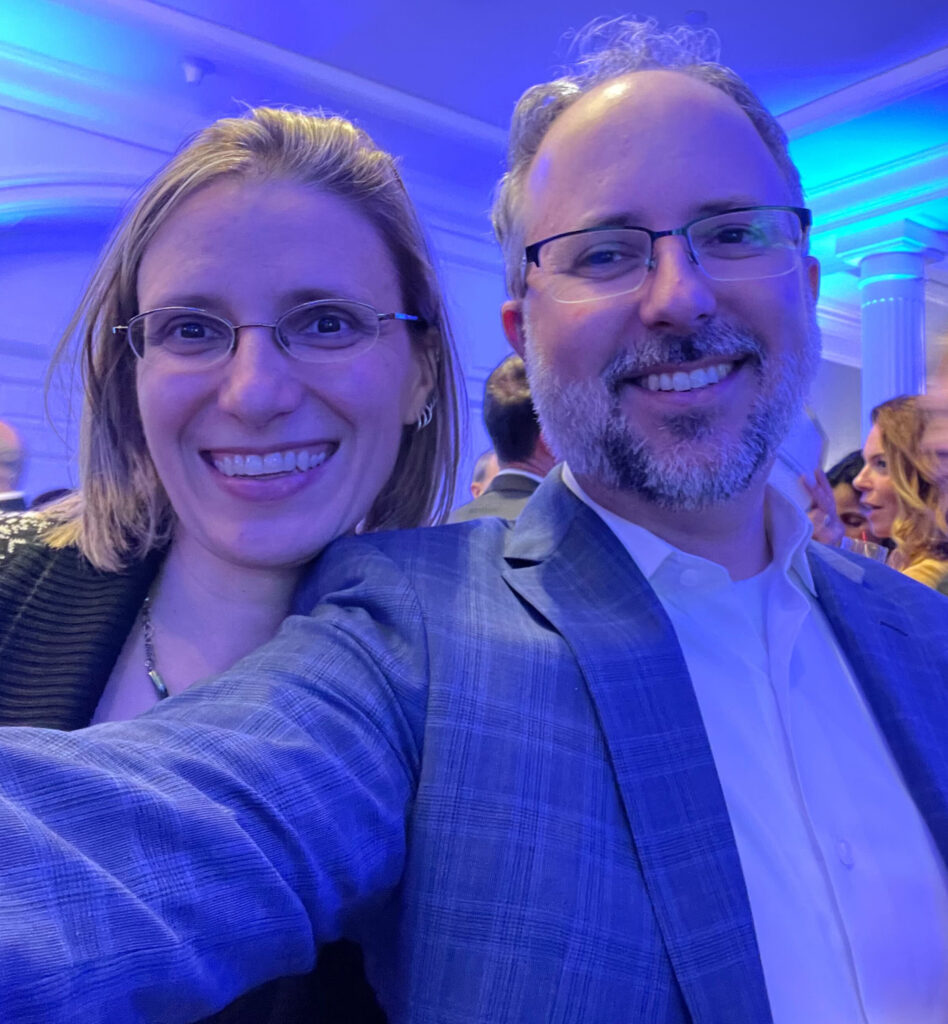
(848, 893)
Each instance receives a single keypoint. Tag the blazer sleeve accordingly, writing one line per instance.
(156, 869)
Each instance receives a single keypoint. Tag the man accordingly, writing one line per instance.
(644, 755)
(523, 458)
(485, 469)
(11, 466)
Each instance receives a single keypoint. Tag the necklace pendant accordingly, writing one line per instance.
(158, 683)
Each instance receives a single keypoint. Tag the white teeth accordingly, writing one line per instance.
(681, 380)
(269, 463)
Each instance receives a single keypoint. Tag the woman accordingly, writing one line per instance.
(898, 488)
(267, 365)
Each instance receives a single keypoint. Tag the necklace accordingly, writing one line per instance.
(150, 667)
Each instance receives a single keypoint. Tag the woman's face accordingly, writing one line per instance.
(248, 252)
(876, 490)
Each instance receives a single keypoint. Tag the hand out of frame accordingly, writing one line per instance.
(828, 528)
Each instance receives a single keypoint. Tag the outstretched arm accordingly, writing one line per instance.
(154, 870)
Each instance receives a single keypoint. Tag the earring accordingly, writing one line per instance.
(426, 415)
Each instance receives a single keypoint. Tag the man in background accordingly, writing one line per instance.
(485, 469)
(523, 458)
(11, 469)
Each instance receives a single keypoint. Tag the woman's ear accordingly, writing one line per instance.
(423, 388)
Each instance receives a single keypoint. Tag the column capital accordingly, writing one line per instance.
(901, 236)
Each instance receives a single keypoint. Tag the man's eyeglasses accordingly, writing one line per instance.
(748, 243)
(324, 331)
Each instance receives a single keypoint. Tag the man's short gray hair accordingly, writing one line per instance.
(607, 49)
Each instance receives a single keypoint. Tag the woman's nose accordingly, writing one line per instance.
(261, 381)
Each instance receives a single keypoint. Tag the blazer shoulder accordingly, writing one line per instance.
(428, 556)
(919, 602)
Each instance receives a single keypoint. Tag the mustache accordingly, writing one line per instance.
(715, 338)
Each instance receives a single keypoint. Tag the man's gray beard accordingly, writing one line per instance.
(584, 425)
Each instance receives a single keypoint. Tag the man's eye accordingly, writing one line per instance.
(606, 257)
(741, 235)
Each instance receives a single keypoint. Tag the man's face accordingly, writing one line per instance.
(657, 150)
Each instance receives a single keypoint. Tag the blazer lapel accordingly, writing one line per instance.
(907, 693)
(570, 567)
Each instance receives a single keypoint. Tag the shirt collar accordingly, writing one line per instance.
(787, 525)
(518, 472)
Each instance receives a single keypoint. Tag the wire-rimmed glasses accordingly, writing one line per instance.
(747, 243)
(323, 331)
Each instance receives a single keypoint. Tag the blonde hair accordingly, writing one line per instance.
(121, 511)
(920, 529)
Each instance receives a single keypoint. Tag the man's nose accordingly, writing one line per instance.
(261, 381)
(677, 294)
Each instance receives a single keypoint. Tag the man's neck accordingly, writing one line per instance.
(538, 467)
(732, 533)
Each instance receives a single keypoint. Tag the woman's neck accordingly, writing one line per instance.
(208, 613)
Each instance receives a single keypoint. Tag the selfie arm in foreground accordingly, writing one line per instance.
(164, 865)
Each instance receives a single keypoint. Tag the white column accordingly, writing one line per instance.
(891, 260)
(892, 298)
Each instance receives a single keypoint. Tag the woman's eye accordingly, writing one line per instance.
(190, 331)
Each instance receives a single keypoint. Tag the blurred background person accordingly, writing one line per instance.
(836, 509)
(846, 498)
(935, 437)
(485, 469)
(267, 365)
(523, 458)
(898, 487)
(11, 469)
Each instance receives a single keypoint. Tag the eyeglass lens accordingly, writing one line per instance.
(735, 246)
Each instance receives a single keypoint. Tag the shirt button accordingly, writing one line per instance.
(690, 577)
(845, 853)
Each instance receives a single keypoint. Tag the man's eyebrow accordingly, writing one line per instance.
(636, 218)
(714, 206)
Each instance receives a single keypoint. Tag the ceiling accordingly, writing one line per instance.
(477, 56)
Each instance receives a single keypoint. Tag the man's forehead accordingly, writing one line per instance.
(640, 121)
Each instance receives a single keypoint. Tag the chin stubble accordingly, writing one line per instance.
(693, 465)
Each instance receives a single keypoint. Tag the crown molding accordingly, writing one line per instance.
(208, 45)
(61, 196)
(881, 90)
(881, 191)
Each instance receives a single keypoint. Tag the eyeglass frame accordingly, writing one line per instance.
(532, 251)
(234, 328)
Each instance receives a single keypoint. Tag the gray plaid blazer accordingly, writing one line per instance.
(481, 755)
